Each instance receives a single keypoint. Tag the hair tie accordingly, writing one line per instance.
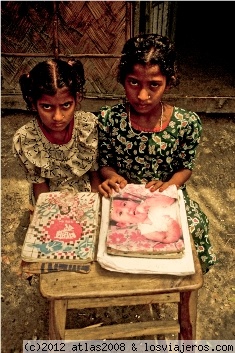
(70, 62)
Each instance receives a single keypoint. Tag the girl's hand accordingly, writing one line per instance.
(178, 179)
(154, 185)
(113, 183)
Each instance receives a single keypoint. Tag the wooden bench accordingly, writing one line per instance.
(103, 288)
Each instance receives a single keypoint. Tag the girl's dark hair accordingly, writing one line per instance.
(149, 49)
(49, 76)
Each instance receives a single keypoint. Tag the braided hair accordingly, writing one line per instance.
(49, 76)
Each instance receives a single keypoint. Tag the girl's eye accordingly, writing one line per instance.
(67, 105)
(154, 84)
(133, 82)
(46, 106)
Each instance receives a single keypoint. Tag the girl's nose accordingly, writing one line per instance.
(58, 116)
(143, 94)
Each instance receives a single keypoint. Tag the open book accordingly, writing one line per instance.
(145, 224)
(63, 229)
(145, 265)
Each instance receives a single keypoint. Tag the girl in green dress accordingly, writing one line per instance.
(148, 141)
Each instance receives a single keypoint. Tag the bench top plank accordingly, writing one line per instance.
(100, 282)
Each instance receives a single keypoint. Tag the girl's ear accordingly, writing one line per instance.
(78, 100)
(34, 106)
(78, 97)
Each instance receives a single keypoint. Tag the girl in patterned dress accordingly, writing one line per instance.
(148, 141)
(58, 147)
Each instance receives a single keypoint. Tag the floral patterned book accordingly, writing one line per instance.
(63, 229)
(145, 224)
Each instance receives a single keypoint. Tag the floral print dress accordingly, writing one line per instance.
(62, 166)
(144, 156)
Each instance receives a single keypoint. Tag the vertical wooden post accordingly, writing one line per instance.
(57, 319)
(188, 315)
(55, 29)
(129, 20)
(136, 17)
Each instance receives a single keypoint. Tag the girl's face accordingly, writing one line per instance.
(56, 111)
(144, 88)
(126, 212)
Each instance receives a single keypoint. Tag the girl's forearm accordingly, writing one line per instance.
(180, 177)
(39, 189)
(95, 180)
(108, 172)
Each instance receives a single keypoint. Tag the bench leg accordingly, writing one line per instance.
(188, 315)
(57, 319)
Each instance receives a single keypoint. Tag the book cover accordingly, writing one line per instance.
(30, 268)
(63, 229)
(145, 224)
(182, 266)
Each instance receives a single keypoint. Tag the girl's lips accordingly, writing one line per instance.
(142, 106)
(58, 125)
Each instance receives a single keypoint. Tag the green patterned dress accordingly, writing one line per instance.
(143, 156)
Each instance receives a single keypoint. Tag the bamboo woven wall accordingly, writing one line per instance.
(27, 28)
(93, 31)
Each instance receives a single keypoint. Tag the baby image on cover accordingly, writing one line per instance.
(144, 223)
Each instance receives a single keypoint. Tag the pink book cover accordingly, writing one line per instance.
(63, 229)
(145, 224)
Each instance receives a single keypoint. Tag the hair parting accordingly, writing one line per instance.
(49, 76)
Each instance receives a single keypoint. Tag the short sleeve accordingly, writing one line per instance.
(20, 139)
(87, 144)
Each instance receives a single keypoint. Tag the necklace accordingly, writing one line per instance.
(145, 130)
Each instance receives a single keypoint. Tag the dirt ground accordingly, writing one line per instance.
(25, 311)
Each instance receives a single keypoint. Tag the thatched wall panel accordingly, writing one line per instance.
(95, 28)
(101, 76)
(27, 27)
(33, 31)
